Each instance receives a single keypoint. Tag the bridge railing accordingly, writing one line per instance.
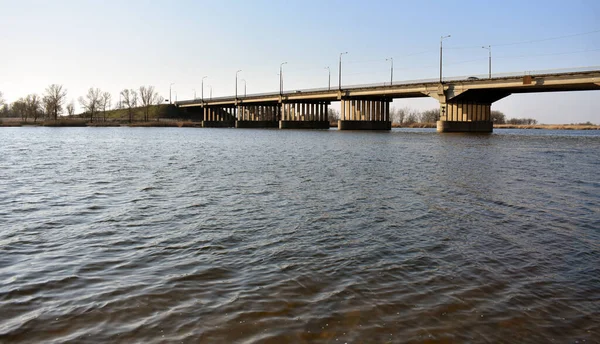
(413, 82)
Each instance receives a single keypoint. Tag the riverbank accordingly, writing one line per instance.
(84, 123)
(17, 122)
(549, 126)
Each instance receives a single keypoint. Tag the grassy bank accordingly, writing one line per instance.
(72, 122)
(414, 125)
(549, 126)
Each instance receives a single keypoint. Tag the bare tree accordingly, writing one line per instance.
(129, 99)
(498, 117)
(55, 97)
(158, 100)
(91, 102)
(47, 107)
(430, 116)
(106, 104)
(2, 101)
(71, 109)
(33, 106)
(148, 98)
(398, 115)
(332, 115)
(19, 108)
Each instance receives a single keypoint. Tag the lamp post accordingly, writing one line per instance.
(204, 77)
(329, 78)
(281, 78)
(236, 79)
(244, 80)
(170, 102)
(391, 70)
(340, 71)
(441, 49)
(489, 48)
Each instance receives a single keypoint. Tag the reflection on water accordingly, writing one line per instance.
(268, 236)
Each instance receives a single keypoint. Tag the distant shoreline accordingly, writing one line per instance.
(16, 122)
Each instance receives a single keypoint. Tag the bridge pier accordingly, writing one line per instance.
(304, 115)
(257, 116)
(465, 117)
(218, 117)
(364, 114)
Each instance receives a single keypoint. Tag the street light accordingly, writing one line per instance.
(391, 70)
(441, 49)
(281, 78)
(340, 70)
(489, 48)
(170, 102)
(244, 80)
(204, 77)
(329, 82)
(236, 78)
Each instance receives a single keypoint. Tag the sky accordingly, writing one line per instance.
(113, 45)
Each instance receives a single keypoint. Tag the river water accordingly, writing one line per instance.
(158, 235)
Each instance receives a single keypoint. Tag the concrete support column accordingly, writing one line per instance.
(320, 112)
(363, 110)
(465, 117)
(283, 111)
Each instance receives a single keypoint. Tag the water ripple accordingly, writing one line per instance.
(266, 236)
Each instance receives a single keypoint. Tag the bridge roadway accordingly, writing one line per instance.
(465, 102)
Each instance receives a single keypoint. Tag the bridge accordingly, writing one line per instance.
(465, 102)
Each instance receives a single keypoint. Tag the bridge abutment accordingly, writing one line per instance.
(362, 114)
(465, 117)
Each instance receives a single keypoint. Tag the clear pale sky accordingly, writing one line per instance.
(114, 45)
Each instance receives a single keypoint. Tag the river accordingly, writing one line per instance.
(158, 235)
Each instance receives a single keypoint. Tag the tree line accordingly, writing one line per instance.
(95, 104)
(499, 118)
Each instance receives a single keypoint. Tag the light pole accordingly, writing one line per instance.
(281, 78)
(441, 49)
(236, 78)
(204, 77)
(170, 102)
(329, 79)
(489, 48)
(391, 70)
(244, 80)
(340, 71)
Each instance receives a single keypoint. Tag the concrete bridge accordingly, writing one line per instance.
(465, 102)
